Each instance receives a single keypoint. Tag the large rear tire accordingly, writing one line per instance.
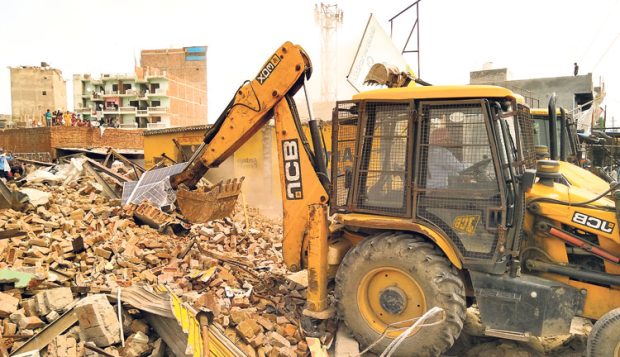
(393, 277)
(604, 339)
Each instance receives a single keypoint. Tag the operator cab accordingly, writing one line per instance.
(571, 150)
(445, 157)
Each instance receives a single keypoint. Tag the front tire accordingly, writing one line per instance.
(604, 339)
(393, 277)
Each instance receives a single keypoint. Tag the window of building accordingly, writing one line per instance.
(114, 87)
(127, 86)
(155, 103)
(44, 92)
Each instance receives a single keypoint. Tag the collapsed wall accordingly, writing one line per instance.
(49, 139)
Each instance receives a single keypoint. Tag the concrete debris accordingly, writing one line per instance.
(8, 304)
(36, 197)
(346, 345)
(79, 246)
(136, 345)
(98, 321)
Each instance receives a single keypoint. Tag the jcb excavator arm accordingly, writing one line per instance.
(248, 111)
(270, 94)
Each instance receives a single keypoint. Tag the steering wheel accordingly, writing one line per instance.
(477, 168)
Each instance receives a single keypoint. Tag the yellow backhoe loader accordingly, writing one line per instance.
(436, 200)
(555, 137)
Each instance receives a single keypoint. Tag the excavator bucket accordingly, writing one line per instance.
(216, 202)
(387, 75)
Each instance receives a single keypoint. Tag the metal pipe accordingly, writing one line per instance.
(553, 127)
(319, 153)
(320, 156)
(583, 275)
(583, 244)
(562, 134)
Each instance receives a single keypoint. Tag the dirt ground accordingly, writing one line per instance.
(472, 343)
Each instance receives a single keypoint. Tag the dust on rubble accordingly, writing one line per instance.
(72, 252)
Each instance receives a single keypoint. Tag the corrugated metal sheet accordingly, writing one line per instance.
(179, 129)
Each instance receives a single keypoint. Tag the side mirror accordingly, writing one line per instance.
(528, 179)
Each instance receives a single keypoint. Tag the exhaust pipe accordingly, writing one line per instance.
(553, 127)
(562, 134)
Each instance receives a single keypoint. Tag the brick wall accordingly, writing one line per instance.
(25, 140)
(47, 139)
(75, 137)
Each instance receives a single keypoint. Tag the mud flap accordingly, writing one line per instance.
(527, 305)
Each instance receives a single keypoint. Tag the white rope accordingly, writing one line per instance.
(407, 331)
(391, 348)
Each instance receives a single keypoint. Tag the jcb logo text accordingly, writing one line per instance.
(292, 170)
(593, 222)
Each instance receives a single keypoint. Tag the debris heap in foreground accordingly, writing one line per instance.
(70, 251)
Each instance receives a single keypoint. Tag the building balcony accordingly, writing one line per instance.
(110, 94)
(129, 93)
(159, 92)
(157, 110)
(128, 110)
(111, 110)
(85, 111)
(96, 97)
(142, 113)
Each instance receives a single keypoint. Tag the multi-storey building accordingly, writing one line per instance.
(34, 90)
(149, 98)
(188, 64)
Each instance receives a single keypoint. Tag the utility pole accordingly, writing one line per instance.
(329, 18)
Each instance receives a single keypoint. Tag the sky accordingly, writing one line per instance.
(533, 38)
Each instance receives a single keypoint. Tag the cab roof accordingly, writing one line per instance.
(543, 111)
(439, 92)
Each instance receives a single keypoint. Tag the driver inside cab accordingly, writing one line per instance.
(441, 161)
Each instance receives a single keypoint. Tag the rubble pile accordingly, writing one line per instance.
(68, 251)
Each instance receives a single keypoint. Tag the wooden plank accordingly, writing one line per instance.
(106, 188)
(34, 162)
(10, 233)
(95, 165)
(48, 334)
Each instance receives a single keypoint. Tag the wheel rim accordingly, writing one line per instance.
(389, 295)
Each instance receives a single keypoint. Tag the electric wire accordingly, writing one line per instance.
(577, 204)
(606, 51)
(598, 31)
(260, 108)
